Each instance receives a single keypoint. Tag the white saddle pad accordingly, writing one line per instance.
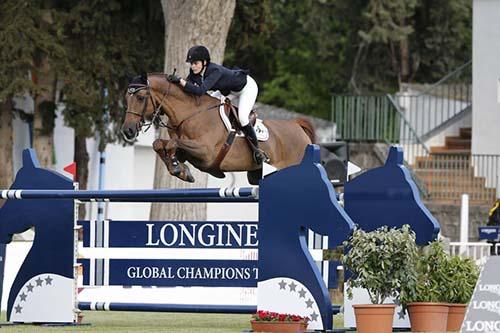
(260, 129)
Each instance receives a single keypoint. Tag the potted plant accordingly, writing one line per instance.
(266, 321)
(465, 274)
(425, 301)
(381, 261)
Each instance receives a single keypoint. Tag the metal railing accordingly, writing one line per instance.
(365, 118)
(423, 108)
(430, 107)
(477, 251)
(408, 119)
(447, 176)
(377, 118)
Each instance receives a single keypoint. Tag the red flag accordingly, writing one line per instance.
(71, 168)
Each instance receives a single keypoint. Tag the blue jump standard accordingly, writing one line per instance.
(192, 308)
(291, 202)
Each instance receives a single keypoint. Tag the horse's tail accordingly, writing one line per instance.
(308, 127)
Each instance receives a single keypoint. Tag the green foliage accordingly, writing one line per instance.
(302, 51)
(94, 47)
(443, 37)
(433, 279)
(387, 20)
(464, 273)
(382, 262)
(442, 278)
(105, 41)
(297, 50)
(23, 38)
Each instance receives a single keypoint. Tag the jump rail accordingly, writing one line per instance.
(225, 194)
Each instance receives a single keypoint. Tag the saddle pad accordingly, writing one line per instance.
(260, 129)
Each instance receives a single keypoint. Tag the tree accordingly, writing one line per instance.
(388, 24)
(189, 23)
(6, 140)
(299, 51)
(443, 37)
(101, 53)
(25, 40)
(45, 77)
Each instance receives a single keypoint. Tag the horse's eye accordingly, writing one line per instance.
(140, 98)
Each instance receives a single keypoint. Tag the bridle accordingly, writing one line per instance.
(132, 89)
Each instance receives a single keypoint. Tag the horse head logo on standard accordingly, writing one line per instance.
(47, 272)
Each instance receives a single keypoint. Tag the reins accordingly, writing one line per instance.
(156, 117)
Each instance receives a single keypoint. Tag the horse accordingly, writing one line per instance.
(198, 135)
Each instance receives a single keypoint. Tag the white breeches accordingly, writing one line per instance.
(244, 99)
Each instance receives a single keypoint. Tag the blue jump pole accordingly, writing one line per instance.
(190, 308)
(236, 194)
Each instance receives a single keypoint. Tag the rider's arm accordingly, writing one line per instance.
(207, 84)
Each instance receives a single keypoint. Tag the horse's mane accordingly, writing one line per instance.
(164, 75)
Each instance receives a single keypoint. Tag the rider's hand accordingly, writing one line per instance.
(173, 78)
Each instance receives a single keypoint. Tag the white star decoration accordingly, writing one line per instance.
(29, 289)
(30, 304)
(302, 294)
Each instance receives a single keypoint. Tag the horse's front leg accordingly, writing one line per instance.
(166, 149)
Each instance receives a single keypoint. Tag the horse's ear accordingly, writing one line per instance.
(395, 156)
(311, 155)
(29, 159)
(144, 77)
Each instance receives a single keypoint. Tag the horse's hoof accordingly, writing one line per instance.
(188, 176)
(176, 170)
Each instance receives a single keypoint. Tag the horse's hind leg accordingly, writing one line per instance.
(167, 154)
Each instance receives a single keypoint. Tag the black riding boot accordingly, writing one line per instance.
(258, 155)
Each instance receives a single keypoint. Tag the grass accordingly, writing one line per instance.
(150, 322)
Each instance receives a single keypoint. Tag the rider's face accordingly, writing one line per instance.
(197, 66)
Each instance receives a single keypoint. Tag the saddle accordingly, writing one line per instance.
(232, 113)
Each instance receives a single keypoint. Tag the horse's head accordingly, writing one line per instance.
(140, 107)
(17, 216)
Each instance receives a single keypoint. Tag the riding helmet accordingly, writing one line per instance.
(198, 52)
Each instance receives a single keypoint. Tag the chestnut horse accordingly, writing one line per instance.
(197, 132)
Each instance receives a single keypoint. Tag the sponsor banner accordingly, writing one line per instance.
(170, 234)
(483, 312)
(170, 273)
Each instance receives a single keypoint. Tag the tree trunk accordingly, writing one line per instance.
(43, 122)
(6, 142)
(81, 159)
(405, 57)
(189, 23)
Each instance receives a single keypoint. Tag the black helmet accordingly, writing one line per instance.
(198, 52)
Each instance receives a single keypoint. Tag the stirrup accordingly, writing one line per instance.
(260, 156)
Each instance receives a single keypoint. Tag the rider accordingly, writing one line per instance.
(205, 75)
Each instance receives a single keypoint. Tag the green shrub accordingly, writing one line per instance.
(382, 262)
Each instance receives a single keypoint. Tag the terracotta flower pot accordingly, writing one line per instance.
(374, 318)
(278, 326)
(428, 317)
(456, 317)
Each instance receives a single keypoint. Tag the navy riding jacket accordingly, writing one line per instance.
(216, 77)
